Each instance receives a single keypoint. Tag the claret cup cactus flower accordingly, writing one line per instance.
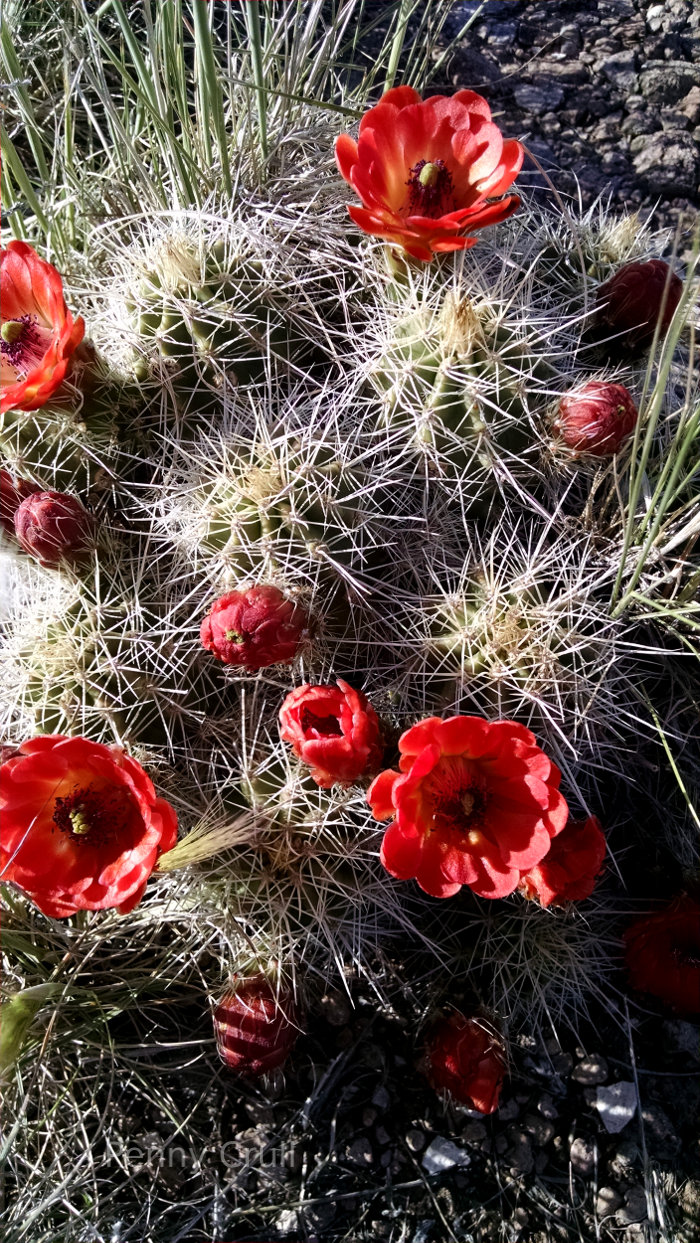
(596, 418)
(569, 870)
(466, 1057)
(635, 299)
(38, 332)
(253, 628)
(335, 730)
(426, 169)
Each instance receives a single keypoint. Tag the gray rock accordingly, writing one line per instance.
(655, 16)
(474, 1133)
(668, 162)
(287, 1222)
(617, 1105)
(620, 69)
(443, 1155)
(519, 1155)
(582, 1155)
(381, 1098)
(508, 1111)
(607, 1202)
(539, 1128)
(669, 83)
(591, 1070)
(690, 105)
(546, 1106)
(625, 1160)
(634, 1208)
(360, 1153)
(540, 97)
(562, 1063)
(683, 1036)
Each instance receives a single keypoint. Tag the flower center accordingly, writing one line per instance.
(94, 816)
(20, 342)
(320, 726)
(457, 800)
(234, 636)
(431, 192)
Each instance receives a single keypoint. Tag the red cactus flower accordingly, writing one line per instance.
(466, 1058)
(476, 803)
(253, 628)
(425, 170)
(255, 1026)
(82, 828)
(569, 869)
(12, 493)
(596, 418)
(38, 333)
(635, 299)
(662, 953)
(53, 527)
(334, 730)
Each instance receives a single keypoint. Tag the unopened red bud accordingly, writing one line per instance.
(635, 299)
(255, 1026)
(54, 527)
(596, 418)
(12, 493)
(253, 628)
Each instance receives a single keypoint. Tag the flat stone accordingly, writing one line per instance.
(617, 1104)
(690, 105)
(582, 1154)
(508, 1111)
(619, 69)
(607, 1202)
(443, 1155)
(540, 97)
(590, 1070)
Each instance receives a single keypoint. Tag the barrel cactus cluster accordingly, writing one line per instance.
(343, 533)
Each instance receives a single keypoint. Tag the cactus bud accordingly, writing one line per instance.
(53, 526)
(253, 628)
(255, 1027)
(466, 1058)
(333, 729)
(596, 418)
(634, 299)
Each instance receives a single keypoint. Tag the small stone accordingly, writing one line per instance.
(287, 1222)
(538, 98)
(620, 69)
(415, 1140)
(508, 1111)
(582, 1154)
(519, 1155)
(443, 1155)
(539, 1128)
(546, 1106)
(625, 1160)
(617, 1105)
(369, 1117)
(655, 16)
(360, 1152)
(382, 1136)
(590, 1070)
(607, 1202)
(669, 83)
(690, 106)
(562, 1063)
(634, 1207)
(381, 1098)
(474, 1133)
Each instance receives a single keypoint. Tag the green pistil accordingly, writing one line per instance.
(11, 331)
(428, 175)
(79, 820)
(233, 636)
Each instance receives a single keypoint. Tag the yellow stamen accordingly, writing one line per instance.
(475, 838)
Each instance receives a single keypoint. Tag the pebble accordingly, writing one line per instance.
(509, 1111)
(287, 1222)
(625, 1160)
(381, 1098)
(474, 1133)
(617, 1105)
(442, 1154)
(360, 1152)
(634, 1208)
(679, 1033)
(415, 1140)
(539, 1128)
(582, 1155)
(607, 1201)
(543, 97)
(546, 1106)
(590, 1070)
(519, 1155)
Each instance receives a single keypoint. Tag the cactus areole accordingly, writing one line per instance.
(426, 168)
(82, 828)
(38, 333)
(475, 803)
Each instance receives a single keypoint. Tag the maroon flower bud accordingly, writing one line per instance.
(53, 527)
(596, 418)
(253, 628)
(12, 493)
(255, 1027)
(635, 299)
(466, 1058)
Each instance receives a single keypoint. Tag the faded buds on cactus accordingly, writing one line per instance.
(253, 628)
(596, 418)
(255, 1026)
(333, 729)
(466, 1057)
(53, 527)
(635, 299)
